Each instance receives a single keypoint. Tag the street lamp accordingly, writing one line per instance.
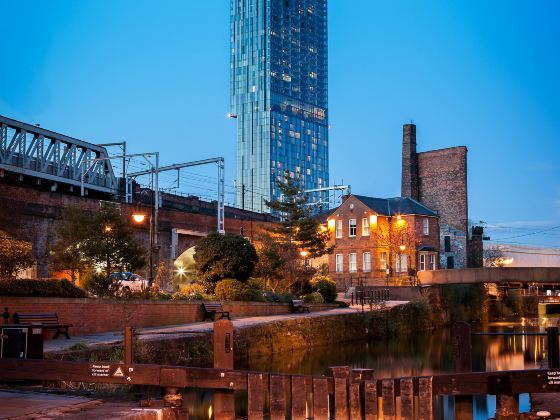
(139, 217)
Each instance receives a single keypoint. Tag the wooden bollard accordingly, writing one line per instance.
(224, 405)
(507, 406)
(462, 363)
(128, 345)
(341, 374)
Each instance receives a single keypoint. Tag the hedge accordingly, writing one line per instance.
(41, 288)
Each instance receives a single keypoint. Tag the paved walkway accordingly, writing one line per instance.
(185, 330)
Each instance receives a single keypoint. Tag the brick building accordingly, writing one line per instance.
(438, 179)
(377, 238)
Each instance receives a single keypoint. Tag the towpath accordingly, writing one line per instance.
(185, 330)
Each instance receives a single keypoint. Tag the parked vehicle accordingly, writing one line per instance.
(131, 281)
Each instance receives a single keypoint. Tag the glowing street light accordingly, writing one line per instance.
(138, 217)
(304, 253)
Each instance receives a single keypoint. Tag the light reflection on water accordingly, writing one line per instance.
(416, 355)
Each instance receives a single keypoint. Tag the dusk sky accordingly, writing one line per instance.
(484, 74)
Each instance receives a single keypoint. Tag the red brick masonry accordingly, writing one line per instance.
(91, 316)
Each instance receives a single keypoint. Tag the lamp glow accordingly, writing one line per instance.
(331, 223)
(138, 217)
(402, 247)
(304, 254)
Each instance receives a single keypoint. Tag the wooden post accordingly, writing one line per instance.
(224, 405)
(407, 399)
(340, 375)
(255, 396)
(425, 399)
(320, 399)
(128, 345)
(553, 349)
(507, 406)
(461, 342)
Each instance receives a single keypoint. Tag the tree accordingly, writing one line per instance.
(15, 255)
(397, 237)
(297, 225)
(101, 239)
(224, 256)
(493, 257)
(297, 233)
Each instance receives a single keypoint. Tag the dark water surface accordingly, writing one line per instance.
(416, 355)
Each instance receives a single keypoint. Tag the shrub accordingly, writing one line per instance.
(314, 297)
(101, 285)
(41, 288)
(277, 297)
(231, 289)
(326, 287)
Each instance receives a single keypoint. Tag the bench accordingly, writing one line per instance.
(212, 308)
(47, 320)
(299, 306)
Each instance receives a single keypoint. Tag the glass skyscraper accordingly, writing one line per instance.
(279, 96)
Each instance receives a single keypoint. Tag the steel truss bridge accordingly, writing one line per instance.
(29, 150)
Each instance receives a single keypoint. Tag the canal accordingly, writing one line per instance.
(417, 355)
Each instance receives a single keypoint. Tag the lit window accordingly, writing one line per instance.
(352, 228)
(339, 228)
(339, 263)
(383, 261)
(401, 263)
(367, 262)
(422, 262)
(352, 267)
(432, 262)
(365, 227)
(426, 225)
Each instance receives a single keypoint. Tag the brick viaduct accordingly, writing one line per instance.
(30, 213)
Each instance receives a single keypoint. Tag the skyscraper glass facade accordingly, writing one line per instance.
(279, 96)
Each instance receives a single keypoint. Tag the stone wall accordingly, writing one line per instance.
(91, 316)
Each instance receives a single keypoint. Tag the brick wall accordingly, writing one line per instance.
(91, 316)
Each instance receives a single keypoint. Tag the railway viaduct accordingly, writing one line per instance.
(491, 275)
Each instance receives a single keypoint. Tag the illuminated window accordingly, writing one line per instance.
(339, 263)
(352, 266)
(432, 262)
(367, 262)
(383, 261)
(401, 263)
(339, 228)
(422, 262)
(365, 226)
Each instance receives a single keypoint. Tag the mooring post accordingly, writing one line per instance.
(462, 363)
(507, 405)
(553, 347)
(128, 345)
(224, 407)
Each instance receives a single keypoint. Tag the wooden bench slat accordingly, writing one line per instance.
(47, 320)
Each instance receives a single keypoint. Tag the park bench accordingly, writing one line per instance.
(298, 306)
(212, 308)
(47, 320)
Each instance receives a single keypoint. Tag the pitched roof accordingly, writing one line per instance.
(395, 206)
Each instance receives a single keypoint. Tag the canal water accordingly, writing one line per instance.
(417, 355)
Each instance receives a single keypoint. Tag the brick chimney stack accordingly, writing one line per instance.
(410, 186)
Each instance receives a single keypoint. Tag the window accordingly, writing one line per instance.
(339, 263)
(365, 227)
(352, 228)
(450, 262)
(447, 243)
(422, 262)
(367, 262)
(352, 263)
(401, 263)
(383, 261)
(432, 262)
(426, 226)
(339, 228)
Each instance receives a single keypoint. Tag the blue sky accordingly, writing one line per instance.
(484, 74)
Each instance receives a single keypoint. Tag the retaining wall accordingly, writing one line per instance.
(91, 316)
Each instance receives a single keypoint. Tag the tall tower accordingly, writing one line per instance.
(279, 96)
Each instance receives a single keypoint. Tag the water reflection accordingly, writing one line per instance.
(421, 354)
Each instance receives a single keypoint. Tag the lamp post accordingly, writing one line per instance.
(139, 217)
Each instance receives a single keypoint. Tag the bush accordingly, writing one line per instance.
(101, 285)
(278, 297)
(41, 288)
(231, 289)
(326, 287)
(314, 297)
